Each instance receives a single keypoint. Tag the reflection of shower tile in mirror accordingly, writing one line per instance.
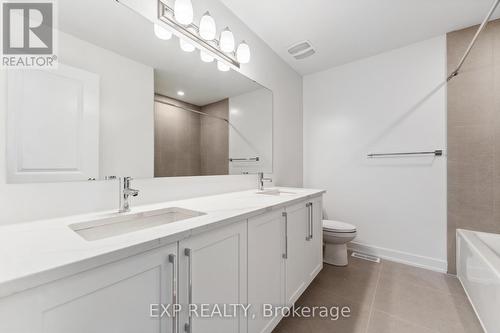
(189, 143)
(177, 141)
(214, 135)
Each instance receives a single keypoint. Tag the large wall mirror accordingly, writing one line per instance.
(123, 102)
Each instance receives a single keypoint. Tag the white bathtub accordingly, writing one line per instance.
(478, 268)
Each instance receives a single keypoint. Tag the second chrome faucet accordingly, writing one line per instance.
(261, 180)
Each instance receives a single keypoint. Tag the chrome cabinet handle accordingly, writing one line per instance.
(172, 258)
(189, 325)
(285, 215)
(311, 220)
(308, 236)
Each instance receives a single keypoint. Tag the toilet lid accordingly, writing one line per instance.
(338, 226)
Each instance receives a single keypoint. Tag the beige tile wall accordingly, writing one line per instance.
(473, 135)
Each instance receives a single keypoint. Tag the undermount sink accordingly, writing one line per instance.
(274, 191)
(119, 225)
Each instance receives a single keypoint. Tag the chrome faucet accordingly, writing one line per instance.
(125, 193)
(262, 180)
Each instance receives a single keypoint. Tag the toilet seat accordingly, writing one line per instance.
(338, 227)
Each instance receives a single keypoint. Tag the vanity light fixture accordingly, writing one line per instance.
(222, 66)
(226, 40)
(162, 33)
(243, 53)
(183, 11)
(202, 37)
(207, 27)
(186, 46)
(205, 57)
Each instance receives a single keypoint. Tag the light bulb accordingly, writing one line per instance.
(226, 41)
(183, 11)
(162, 33)
(186, 46)
(205, 57)
(207, 27)
(243, 53)
(222, 66)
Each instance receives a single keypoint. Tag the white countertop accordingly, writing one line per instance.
(42, 251)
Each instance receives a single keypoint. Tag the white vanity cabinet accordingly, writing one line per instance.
(314, 246)
(213, 273)
(266, 268)
(268, 259)
(296, 231)
(115, 297)
(304, 243)
(284, 256)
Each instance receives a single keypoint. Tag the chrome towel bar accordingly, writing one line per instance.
(435, 153)
(251, 159)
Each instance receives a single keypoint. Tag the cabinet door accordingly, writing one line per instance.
(296, 266)
(213, 273)
(314, 244)
(266, 268)
(115, 297)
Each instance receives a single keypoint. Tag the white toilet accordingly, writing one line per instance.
(336, 235)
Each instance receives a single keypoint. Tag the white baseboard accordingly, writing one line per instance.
(401, 257)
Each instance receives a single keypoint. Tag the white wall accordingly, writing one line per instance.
(392, 102)
(30, 202)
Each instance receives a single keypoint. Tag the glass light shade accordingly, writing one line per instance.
(207, 27)
(183, 11)
(226, 41)
(222, 66)
(186, 46)
(205, 57)
(243, 53)
(162, 33)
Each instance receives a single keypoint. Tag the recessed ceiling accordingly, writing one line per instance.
(346, 30)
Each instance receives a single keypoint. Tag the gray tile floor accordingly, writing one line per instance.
(385, 298)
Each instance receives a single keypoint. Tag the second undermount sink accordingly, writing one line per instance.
(119, 225)
(275, 191)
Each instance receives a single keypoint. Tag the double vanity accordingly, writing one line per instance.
(110, 272)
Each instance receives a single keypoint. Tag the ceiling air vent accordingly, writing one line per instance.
(301, 50)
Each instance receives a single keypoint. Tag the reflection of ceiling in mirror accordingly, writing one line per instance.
(112, 26)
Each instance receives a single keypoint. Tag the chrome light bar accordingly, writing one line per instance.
(191, 32)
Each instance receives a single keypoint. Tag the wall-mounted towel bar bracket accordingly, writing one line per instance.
(438, 152)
